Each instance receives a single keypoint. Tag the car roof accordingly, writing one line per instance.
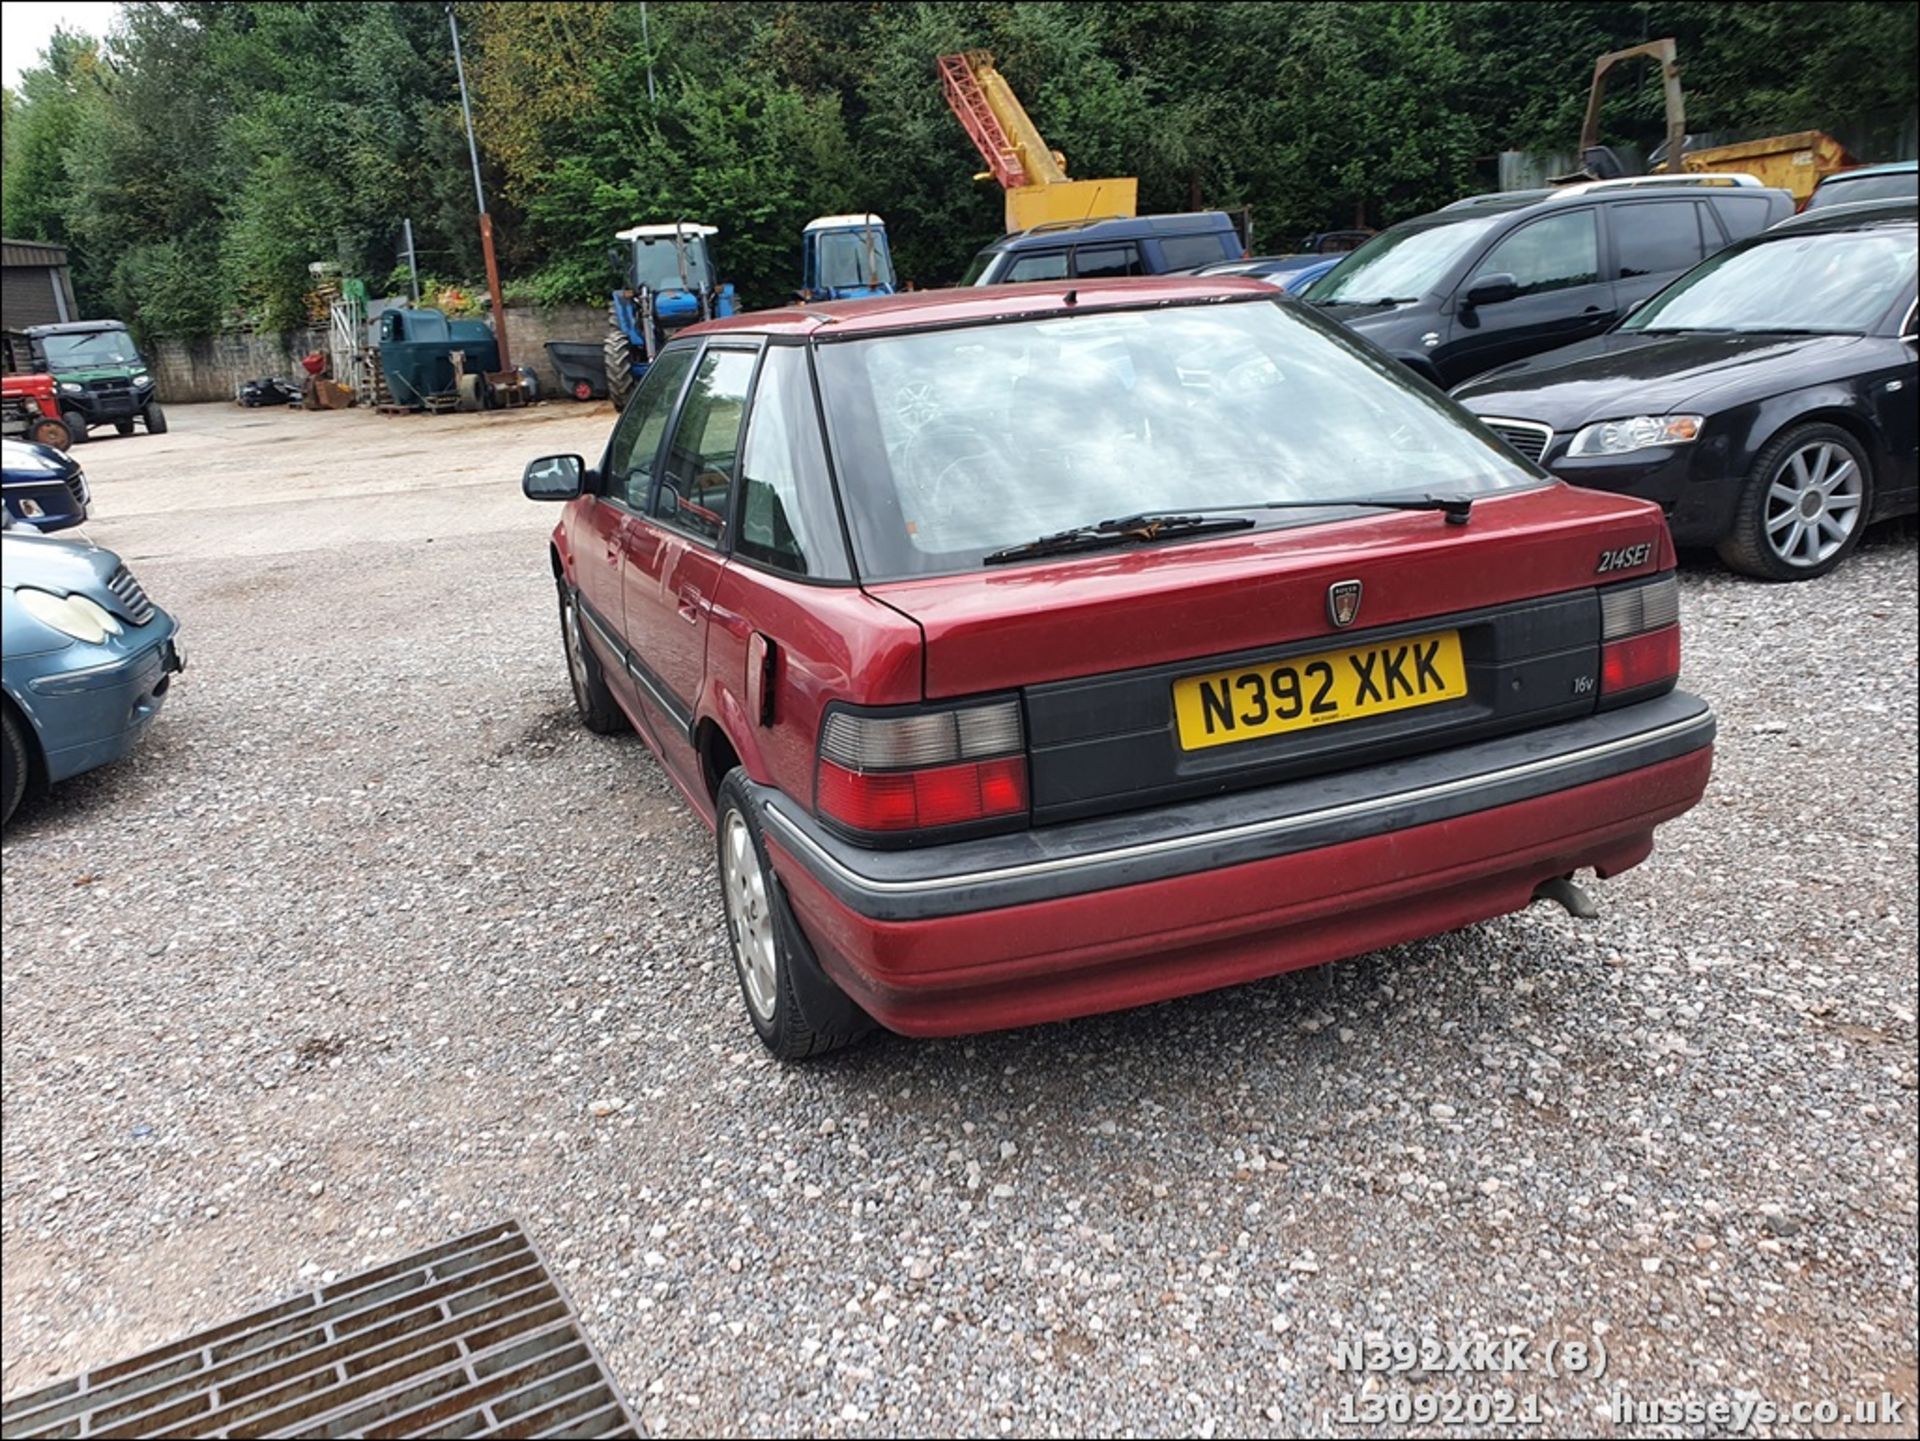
(75, 327)
(982, 304)
(1861, 172)
(1856, 215)
(1622, 191)
(1115, 227)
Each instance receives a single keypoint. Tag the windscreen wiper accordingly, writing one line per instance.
(1104, 534)
(1456, 508)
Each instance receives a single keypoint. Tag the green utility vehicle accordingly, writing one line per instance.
(101, 376)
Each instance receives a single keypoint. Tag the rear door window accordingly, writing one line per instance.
(1047, 265)
(1186, 252)
(1093, 262)
(1656, 237)
(1554, 253)
(696, 479)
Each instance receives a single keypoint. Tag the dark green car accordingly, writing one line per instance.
(101, 376)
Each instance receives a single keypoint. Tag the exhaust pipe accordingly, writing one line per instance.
(1569, 897)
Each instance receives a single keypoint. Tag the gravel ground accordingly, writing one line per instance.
(371, 945)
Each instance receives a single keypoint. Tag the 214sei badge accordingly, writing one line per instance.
(1343, 603)
(1625, 558)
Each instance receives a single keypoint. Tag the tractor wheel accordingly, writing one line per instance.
(76, 425)
(619, 369)
(48, 431)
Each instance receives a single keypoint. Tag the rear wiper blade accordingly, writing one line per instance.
(1119, 530)
(1456, 508)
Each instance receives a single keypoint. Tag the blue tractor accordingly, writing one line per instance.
(666, 283)
(845, 257)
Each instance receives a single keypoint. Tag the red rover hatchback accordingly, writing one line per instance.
(1043, 650)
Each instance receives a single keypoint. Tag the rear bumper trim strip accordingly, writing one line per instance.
(1387, 797)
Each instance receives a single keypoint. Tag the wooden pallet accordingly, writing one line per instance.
(383, 400)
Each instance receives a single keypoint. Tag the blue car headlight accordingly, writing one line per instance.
(71, 615)
(1639, 432)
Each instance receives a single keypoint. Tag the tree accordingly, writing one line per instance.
(203, 157)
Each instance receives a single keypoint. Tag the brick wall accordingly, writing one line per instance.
(529, 328)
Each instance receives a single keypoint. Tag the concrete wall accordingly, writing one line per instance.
(529, 328)
(213, 368)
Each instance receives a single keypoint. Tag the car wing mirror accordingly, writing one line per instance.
(554, 477)
(1492, 289)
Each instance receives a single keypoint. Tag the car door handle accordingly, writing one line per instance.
(689, 606)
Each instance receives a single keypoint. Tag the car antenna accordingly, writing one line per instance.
(1072, 297)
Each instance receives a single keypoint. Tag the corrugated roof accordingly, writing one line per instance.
(32, 252)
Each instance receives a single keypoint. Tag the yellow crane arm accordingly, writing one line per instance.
(1034, 176)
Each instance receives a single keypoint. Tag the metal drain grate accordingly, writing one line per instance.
(472, 1338)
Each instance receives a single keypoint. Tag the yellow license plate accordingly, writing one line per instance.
(1318, 690)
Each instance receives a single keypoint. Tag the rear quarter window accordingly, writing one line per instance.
(1185, 252)
(1742, 215)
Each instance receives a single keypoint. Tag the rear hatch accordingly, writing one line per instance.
(1152, 674)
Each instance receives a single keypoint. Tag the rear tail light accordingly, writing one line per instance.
(1639, 639)
(888, 774)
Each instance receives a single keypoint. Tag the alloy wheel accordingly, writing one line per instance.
(576, 654)
(750, 909)
(1813, 504)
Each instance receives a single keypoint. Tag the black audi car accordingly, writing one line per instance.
(1769, 399)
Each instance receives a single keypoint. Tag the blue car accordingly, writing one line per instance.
(1298, 279)
(1291, 273)
(88, 660)
(42, 486)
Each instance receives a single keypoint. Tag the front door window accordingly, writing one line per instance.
(695, 483)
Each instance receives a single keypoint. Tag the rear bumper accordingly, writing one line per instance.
(1103, 914)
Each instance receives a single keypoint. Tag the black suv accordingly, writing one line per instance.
(1497, 278)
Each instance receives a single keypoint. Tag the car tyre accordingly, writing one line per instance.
(795, 1009)
(156, 419)
(123, 427)
(76, 425)
(15, 765)
(1804, 505)
(599, 712)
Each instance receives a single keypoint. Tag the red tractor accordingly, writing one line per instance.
(30, 404)
(30, 409)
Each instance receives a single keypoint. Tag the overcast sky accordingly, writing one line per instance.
(26, 26)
